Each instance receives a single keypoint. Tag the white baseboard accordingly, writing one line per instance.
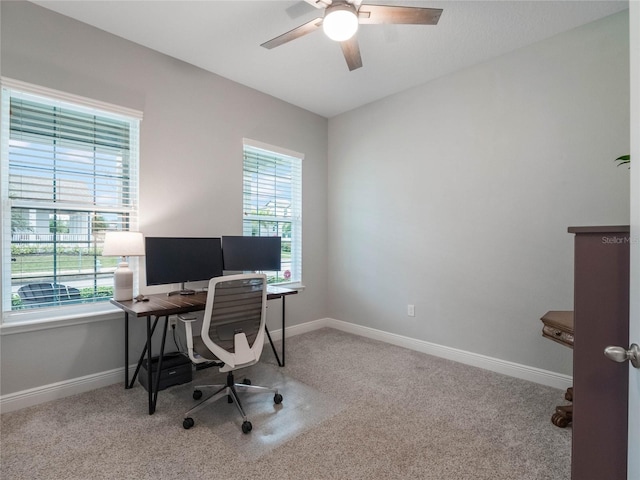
(300, 329)
(524, 372)
(54, 391)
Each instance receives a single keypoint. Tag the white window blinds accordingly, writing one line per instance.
(70, 174)
(272, 203)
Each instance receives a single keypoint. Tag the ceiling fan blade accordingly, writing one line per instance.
(376, 14)
(297, 32)
(298, 9)
(351, 51)
(319, 3)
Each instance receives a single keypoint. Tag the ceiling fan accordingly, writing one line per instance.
(342, 17)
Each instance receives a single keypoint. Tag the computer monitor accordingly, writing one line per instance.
(251, 253)
(181, 260)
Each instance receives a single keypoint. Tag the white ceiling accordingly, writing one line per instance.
(224, 37)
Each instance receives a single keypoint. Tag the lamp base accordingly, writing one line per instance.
(123, 283)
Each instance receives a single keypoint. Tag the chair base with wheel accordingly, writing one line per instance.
(229, 390)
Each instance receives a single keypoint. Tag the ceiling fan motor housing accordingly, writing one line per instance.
(340, 21)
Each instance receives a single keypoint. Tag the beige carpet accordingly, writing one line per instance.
(353, 408)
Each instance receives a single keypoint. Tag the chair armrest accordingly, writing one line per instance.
(188, 319)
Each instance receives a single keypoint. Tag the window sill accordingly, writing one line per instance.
(293, 286)
(31, 322)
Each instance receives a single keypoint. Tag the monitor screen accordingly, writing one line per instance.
(180, 260)
(251, 253)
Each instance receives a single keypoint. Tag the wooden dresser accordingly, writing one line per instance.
(558, 326)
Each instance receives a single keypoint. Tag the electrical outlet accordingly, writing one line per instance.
(173, 321)
(411, 310)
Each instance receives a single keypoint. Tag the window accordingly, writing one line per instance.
(69, 174)
(272, 203)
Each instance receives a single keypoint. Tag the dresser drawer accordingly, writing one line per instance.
(558, 326)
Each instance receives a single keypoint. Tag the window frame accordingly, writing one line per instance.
(296, 163)
(36, 317)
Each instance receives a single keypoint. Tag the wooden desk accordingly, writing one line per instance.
(161, 305)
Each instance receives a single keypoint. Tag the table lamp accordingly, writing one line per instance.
(123, 244)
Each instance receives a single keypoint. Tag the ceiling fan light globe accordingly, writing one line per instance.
(340, 23)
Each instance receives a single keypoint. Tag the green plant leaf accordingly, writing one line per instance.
(624, 159)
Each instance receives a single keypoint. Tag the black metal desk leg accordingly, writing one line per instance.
(153, 386)
(156, 387)
(142, 355)
(273, 347)
(149, 369)
(126, 350)
(283, 297)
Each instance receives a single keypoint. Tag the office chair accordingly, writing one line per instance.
(232, 337)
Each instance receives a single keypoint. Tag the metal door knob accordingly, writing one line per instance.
(619, 354)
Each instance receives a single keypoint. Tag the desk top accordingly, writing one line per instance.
(161, 304)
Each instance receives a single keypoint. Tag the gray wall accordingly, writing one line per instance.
(458, 195)
(191, 168)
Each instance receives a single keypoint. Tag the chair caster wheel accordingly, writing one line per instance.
(187, 423)
(197, 394)
(246, 381)
(277, 399)
(246, 427)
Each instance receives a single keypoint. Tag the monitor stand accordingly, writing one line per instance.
(182, 291)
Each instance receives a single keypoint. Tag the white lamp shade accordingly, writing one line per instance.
(340, 22)
(123, 244)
